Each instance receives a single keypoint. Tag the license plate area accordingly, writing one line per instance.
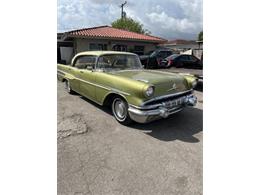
(174, 103)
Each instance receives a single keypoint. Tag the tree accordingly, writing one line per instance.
(200, 36)
(127, 23)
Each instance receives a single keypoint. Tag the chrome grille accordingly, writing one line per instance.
(167, 98)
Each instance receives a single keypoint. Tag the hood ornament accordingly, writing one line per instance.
(173, 87)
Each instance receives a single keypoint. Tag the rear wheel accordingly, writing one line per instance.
(68, 87)
(120, 111)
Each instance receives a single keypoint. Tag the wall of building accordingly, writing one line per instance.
(66, 54)
(84, 44)
(186, 46)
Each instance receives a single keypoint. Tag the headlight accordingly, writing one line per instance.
(194, 83)
(149, 91)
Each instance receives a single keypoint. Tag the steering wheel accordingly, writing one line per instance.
(113, 63)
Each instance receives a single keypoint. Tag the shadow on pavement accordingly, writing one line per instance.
(181, 126)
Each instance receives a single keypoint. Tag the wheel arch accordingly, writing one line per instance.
(64, 79)
(109, 98)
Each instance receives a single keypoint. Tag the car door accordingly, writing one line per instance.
(184, 60)
(86, 76)
(195, 62)
(74, 83)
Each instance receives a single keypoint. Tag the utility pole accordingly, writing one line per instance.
(123, 14)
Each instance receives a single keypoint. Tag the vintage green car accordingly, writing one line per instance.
(117, 79)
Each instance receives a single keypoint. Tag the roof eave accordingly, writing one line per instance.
(116, 38)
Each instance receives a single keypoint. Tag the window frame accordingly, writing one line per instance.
(163, 52)
(74, 62)
(193, 58)
(182, 58)
(138, 51)
(98, 58)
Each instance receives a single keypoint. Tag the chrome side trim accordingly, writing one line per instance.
(92, 84)
(120, 92)
(60, 74)
(166, 96)
(96, 85)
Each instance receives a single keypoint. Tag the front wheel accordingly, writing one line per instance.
(120, 111)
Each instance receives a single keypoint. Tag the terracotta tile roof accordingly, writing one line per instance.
(110, 32)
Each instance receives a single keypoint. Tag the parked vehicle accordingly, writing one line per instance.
(117, 79)
(154, 59)
(181, 60)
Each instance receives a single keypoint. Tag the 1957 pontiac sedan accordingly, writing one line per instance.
(117, 79)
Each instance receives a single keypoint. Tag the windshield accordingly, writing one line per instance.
(153, 53)
(114, 62)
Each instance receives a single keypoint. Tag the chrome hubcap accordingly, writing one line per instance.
(120, 109)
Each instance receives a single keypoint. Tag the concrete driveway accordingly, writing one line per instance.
(97, 155)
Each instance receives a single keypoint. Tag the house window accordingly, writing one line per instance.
(120, 48)
(139, 50)
(95, 46)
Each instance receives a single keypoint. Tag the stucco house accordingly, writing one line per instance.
(181, 45)
(103, 38)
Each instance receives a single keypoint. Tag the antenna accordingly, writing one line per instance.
(123, 14)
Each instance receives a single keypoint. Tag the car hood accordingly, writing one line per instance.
(164, 82)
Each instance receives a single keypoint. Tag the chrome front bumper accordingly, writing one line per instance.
(142, 115)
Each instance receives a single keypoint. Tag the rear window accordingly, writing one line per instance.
(185, 58)
(172, 56)
(164, 54)
(83, 61)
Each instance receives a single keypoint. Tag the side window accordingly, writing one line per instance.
(119, 48)
(161, 54)
(83, 62)
(164, 54)
(99, 47)
(92, 46)
(184, 58)
(193, 59)
(139, 50)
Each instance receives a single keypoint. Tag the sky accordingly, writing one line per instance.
(169, 19)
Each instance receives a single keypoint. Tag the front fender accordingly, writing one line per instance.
(129, 89)
(190, 79)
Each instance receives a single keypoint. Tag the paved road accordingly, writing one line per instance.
(96, 155)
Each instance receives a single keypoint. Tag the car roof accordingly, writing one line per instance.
(100, 53)
(163, 50)
(174, 55)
